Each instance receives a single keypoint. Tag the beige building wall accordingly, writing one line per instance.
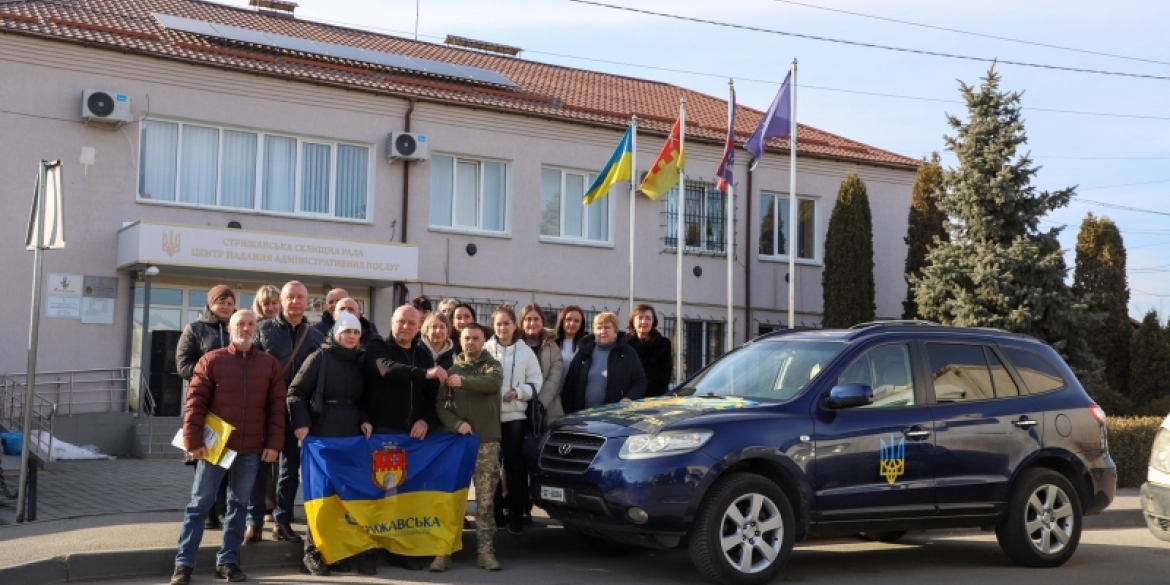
(43, 83)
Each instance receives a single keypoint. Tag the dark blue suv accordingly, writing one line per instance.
(876, 430)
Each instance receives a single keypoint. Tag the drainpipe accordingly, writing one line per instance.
(405, 194)
(747, 264)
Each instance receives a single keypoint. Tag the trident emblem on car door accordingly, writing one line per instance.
(893, 458)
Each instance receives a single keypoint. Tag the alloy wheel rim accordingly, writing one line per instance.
(751, 533)
(1049, 519)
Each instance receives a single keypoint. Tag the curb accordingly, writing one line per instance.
(160, 562)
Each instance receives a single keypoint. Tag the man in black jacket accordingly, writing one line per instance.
(290, 338)
(325, 325)
(402, 381)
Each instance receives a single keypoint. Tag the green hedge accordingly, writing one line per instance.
(1130, 441)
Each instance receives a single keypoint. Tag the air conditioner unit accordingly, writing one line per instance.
(105, 107)
(407, 146)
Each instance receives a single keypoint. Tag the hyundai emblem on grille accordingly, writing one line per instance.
(565, 449)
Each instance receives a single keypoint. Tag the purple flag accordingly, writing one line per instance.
(775, 124)
(727, 163)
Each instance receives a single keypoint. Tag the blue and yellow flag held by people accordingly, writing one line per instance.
(619, 168)
(389, 491)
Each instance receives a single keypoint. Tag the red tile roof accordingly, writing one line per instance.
(549, 91)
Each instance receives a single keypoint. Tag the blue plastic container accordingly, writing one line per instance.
(12, 442)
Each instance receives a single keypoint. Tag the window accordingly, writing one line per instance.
(1038, 373)
(772, 370)
(468, 194)
(563, 214)
(1005, 386)
(704, 218)
(774, 232)
(702, 344)
(959, 373)
(221, 167)
(887, 370)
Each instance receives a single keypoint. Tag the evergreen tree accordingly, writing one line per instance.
(1150, 369)
(1100, 280)
(847, 280)
(998, 268)
(925, 224)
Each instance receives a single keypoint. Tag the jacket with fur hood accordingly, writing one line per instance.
(521, 373)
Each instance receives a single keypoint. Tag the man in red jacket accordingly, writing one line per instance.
(245, 387)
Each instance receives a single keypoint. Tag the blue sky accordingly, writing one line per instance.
(1117, 160)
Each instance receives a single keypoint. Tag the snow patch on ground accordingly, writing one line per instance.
(63, 451)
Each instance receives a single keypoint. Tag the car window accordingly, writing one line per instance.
(887, 370)
(767, 370)
(959, 373)
(1005, 386)
(1038, 373)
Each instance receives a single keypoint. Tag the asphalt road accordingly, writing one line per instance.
(1116, 556)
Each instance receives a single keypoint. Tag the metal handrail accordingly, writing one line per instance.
(111, 385)
(12, 395)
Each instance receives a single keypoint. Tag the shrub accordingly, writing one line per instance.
(1130, 441)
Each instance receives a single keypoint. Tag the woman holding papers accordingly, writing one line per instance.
(324, 401)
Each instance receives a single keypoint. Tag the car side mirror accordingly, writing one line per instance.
(849, 396)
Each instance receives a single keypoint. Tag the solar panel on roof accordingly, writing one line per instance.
(242, 35)
(393, 60)
(198, 27)
(295, 43)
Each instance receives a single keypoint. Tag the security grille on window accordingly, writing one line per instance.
(563, 215)
(774, 226)
(704, 218)
(468, 194)
(702, 342)
(224, 167)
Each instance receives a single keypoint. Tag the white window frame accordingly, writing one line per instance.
(589, 177)
(477, 230)
(672, 221)
(818, 236)
(258, 195)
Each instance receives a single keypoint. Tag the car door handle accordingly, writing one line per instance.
(1024, 423)
(917, 434)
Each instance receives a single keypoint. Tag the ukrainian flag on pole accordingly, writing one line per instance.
(390, 491)
(619, 168)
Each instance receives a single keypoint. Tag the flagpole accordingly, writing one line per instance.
(680, 239)
(633, 197)
(792, 217)
(729, 228)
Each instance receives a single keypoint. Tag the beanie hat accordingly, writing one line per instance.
(218, 292)
(344, 322)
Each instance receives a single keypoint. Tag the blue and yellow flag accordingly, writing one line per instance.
(390, 491)
(619, 168)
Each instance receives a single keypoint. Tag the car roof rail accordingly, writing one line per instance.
(921, 322)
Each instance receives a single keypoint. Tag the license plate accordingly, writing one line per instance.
(552, 494)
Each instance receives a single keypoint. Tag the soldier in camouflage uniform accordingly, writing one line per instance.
(469, 403)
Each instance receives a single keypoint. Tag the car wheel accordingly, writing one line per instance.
(605, 547)
(887, 536)
(743, 533)
(1041, 526)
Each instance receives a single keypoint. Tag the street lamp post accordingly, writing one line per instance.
(144, 362)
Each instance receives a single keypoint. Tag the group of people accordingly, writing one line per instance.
(437, 371)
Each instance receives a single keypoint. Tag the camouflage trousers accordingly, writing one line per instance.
(485, 479)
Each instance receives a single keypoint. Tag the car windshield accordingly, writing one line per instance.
(768, 370)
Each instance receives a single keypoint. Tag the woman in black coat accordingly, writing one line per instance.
(619, 379)
(653, 349)
(341, 384)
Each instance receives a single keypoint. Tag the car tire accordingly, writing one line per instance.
(886, 536)
(723, 550)
(1041, 526)
(605, 547)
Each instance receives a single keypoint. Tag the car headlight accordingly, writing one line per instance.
(663, 444)
(1160, 454)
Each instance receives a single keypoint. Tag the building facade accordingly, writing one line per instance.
(249, 164)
